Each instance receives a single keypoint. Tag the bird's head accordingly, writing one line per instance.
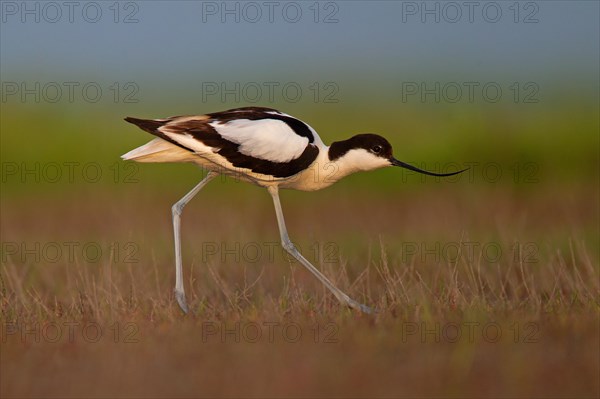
(369, 151)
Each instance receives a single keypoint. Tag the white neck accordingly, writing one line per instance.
(324, 172)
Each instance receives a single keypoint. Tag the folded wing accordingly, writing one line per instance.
(262, 140)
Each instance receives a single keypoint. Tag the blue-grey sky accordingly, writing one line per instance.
(170, 44)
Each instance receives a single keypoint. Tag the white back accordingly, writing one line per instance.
(267, 139)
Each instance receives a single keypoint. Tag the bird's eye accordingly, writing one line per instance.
(376, 149)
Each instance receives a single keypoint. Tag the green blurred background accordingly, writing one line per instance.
(400, 69)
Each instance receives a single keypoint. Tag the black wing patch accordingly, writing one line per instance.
(152, 126)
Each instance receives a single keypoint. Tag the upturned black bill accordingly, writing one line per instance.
(395, 162)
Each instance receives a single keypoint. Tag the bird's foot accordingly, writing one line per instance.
(180, 295)
(357, 305)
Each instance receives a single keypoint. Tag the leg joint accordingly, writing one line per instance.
(177, 208)
(288, 245)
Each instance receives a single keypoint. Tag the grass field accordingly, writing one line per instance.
(486, 285)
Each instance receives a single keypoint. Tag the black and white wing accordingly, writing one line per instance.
(262, 140)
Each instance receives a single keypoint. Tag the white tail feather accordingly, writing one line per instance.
(159, 150)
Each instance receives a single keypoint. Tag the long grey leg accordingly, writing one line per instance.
(291, 249)
(176, 210)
